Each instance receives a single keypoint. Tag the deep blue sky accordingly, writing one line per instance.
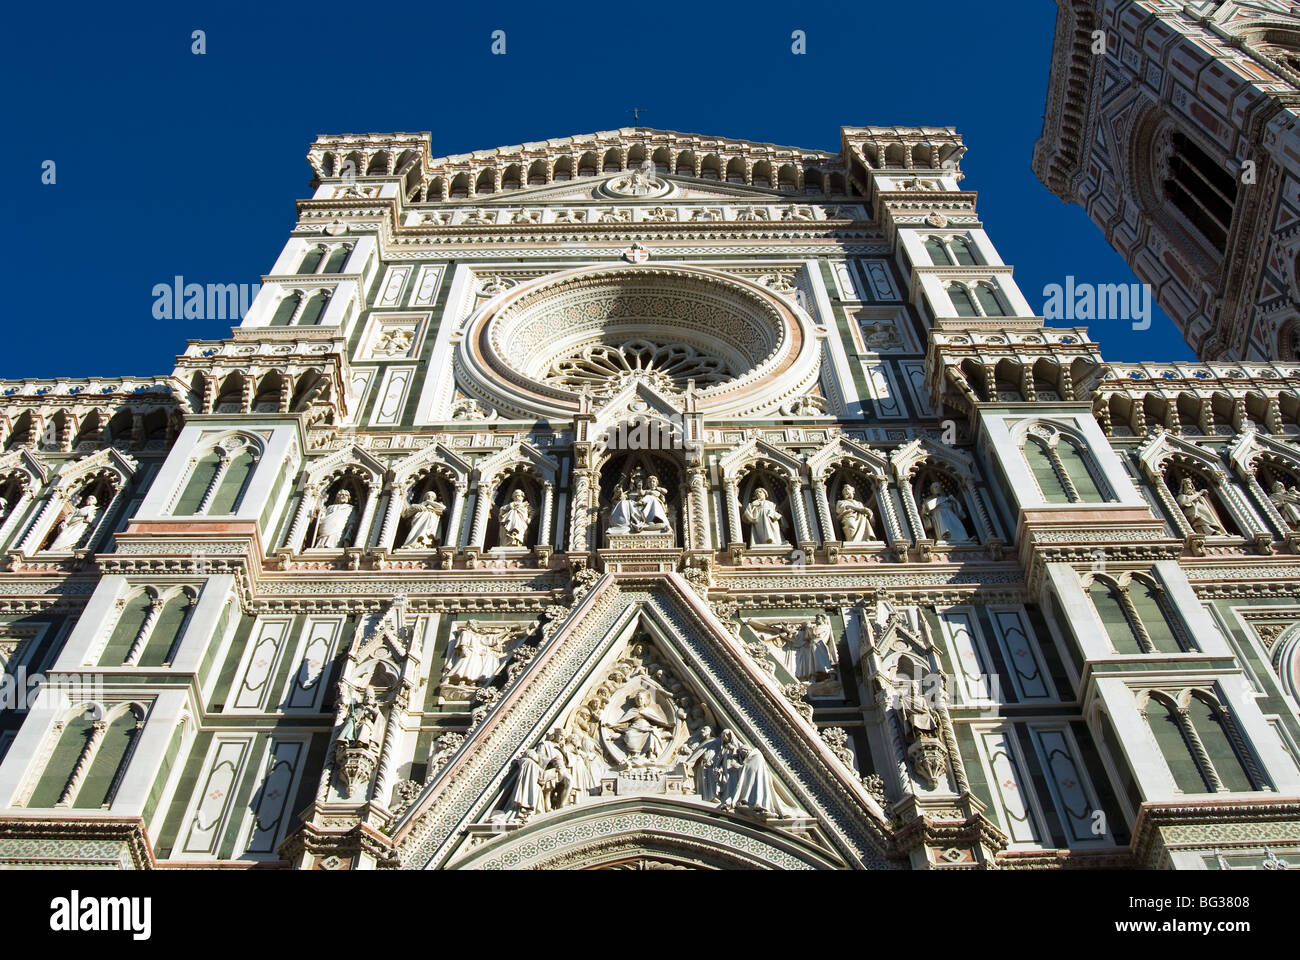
(170, 163)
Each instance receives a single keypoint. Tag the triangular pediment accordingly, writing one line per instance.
(824, 816)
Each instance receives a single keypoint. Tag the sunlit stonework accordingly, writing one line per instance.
(646, 500)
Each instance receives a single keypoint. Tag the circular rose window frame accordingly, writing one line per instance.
(497, 357)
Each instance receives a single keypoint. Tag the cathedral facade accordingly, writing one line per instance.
(647, 500)
(1173, 123)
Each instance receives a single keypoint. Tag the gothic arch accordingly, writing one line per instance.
(626, 830)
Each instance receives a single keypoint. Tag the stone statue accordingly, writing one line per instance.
(652, 511)
(335, 523)
(764, 520)
(359, 725)
(622, 512)
(526, 797)
(806, 648)
(1198, 509)
(556, 773)
(854, 516)
(1285, 498)
(478, 654)
(943, 512)
(5, 507)
(751, 787)
(424, 526)
(584, 763)
(643, 730)
(707, 760)
(76, 524)
(516, 515)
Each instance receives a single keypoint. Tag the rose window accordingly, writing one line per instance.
(605, 367)
(537, 348)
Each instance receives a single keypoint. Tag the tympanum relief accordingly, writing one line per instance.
(640, 731)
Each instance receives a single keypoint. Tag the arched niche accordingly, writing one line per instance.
(636, 471)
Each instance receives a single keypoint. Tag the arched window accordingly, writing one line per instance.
(217, 483)
(165, 637)
(1045, 472)
(1212, 725)
(286, 308)
(962, 301)
(108, 765)
(989, 300)
(338, 257)
(938, 252)
(73, 741)
(191, 499)
(1109, 603)
(1076, 468)
(233, 483)
(311, 314)
(1200, 189)
(1155, 619)
(312, 260)
(135, 612)
(961, 250)
(1162, 716)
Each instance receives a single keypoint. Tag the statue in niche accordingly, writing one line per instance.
(639, 507)
(1198, 509)
(643, 730)
(1285, 498)
(5, 507)
(516, 515)
(76, 524)
(855, 517)
(478, 653)
(764, 520)
(943, 513)
(335, 523)
(359, 725)
(622, 512)
(706, 762)
(424, 526)
(806, 648)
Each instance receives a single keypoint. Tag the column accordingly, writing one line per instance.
(217, 476)
(368, 516)
(548, 507)
(83, 763)
(392, 514)
(306, 507)
(451, 535)
(482, 510)
(795, 488)
(578, 522)
(823, 509)
(698, 534)
(146, 628)
(731, 488)
(913, 511)
(980, 512)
